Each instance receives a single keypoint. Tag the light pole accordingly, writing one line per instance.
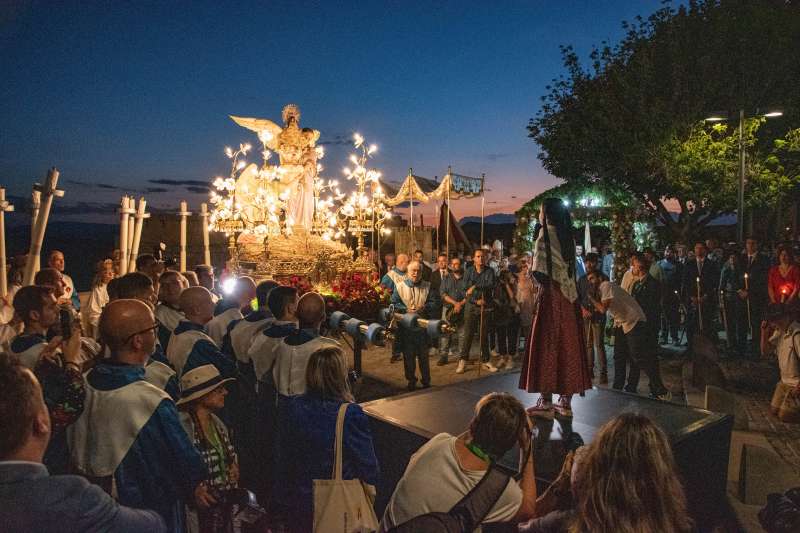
(740, 203)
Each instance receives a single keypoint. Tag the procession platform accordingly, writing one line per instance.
(700, 439)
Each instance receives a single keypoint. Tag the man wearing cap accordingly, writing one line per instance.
(242, 293)
(129, 438)
(168, 312)
(189, 345)
(414, 295)
(780, 334)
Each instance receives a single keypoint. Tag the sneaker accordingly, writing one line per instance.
(564, 407)
(604, 378)
(489, 366)
(460, 367)
(542, 409)
(665, 397)
(442, 361)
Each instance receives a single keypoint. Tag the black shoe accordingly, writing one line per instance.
(426, 386)
(442, 361)
(395, 358)
(631, 390)
(412, 386)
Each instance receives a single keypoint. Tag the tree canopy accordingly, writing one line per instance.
(633, 117)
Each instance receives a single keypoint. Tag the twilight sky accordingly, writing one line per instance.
(134, 96)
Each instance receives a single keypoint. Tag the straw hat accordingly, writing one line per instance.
(199, 381)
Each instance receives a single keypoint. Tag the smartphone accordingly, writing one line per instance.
(65, 317)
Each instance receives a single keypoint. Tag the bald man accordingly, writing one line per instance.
(168, 312)
(157, 371)
(129, 435)
(292, 355)
(189, 345)
(237, 301)
(397, 274)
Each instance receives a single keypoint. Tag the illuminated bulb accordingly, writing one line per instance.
(264, 136)
(240, 165)
(228, 151)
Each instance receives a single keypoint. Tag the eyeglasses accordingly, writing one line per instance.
(152, 328)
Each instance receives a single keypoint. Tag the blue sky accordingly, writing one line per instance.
(134, 96)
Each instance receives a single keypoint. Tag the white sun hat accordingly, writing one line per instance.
(199, 381)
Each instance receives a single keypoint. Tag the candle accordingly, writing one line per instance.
(699, 307)
(206, 247)
(183, 215)
(746, 283)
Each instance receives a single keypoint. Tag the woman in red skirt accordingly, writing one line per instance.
(555, 352)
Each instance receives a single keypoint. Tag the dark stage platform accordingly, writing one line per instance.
(700, 439)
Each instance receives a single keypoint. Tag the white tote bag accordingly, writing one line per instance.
(343, 506)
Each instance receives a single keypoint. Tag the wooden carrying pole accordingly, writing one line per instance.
(447, 223)
(184, 213)
(48, 191)
(124, 214)
(206, 244)
(137, 233)
(5, 207)
(411, 205)
(36, 203)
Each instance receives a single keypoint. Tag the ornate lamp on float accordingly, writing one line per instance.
(275, 216)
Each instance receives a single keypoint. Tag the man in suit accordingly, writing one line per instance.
(700, 292)
(756, 266)
(438, 275)
(30, 498)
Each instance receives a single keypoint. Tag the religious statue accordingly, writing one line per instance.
(296, 148)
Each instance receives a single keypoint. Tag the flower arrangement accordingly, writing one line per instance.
(358, 295)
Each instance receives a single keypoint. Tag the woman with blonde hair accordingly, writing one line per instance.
(313, 430)
(628, 482)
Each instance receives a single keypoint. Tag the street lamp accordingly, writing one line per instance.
(740, 208)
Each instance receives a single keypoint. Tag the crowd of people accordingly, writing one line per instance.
(164, 401)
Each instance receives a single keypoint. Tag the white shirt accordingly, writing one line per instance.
(787, 348)
(291, 362)
(416, 493)
(624, 309)
(97, 300)
(217, 327)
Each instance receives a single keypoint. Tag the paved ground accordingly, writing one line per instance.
(751, 383)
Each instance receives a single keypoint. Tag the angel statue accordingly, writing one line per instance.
(296, 148)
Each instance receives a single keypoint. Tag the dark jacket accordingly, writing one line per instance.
(757, 278)
(310, 456)
(709, 280)
(33, 500)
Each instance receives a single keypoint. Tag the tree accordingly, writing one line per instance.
(632, 119)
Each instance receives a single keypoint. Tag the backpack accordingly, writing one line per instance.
(467, 514)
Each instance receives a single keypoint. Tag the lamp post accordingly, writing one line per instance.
(740, 203)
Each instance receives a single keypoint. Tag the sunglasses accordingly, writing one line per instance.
(152, 328)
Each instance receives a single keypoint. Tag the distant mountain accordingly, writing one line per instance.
(497, 218)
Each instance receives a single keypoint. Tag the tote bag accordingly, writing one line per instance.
(343, 505)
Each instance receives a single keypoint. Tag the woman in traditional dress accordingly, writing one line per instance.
(555, 354)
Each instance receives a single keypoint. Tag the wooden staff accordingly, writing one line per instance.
(183, 214)
(699, 305)
(131, 230)
(480, 342)
(206, 246)
(747, 289)
(137, 235)
(5, 207)
(48, 191)
(36, 203)
(124, 214)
